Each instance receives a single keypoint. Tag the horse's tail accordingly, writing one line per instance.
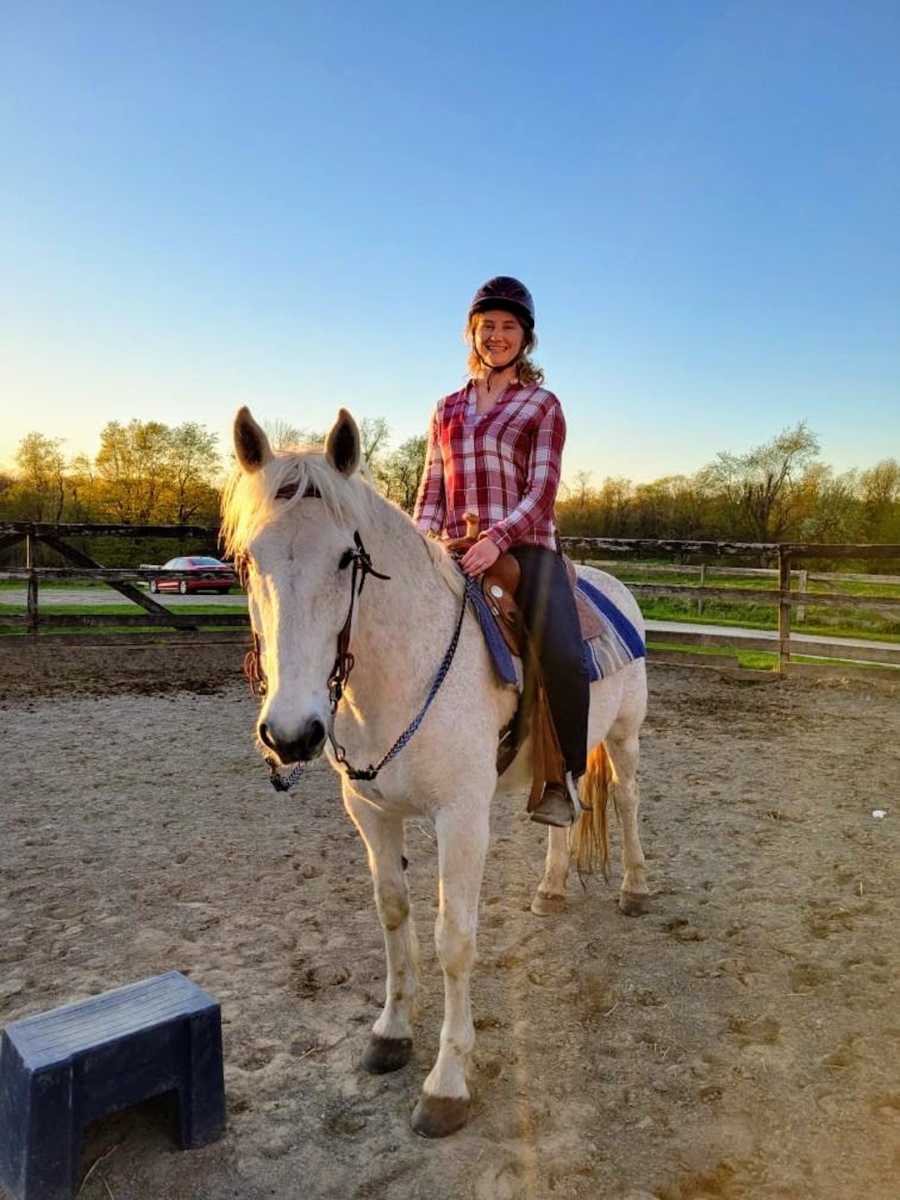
(589, 839)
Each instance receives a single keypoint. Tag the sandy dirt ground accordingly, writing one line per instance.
(741, 1040)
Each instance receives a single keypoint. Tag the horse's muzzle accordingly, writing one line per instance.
(303, 746)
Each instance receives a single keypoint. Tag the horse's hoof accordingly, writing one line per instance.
(633, 904)
(386, 1054)
(439, 1116)
(545, 905)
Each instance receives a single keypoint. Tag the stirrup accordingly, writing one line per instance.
(557, 806)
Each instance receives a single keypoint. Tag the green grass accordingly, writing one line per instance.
(61, 610)
(51, 585)
(100, 631)
(757, 660)
(828, 621)
(840, 622)
(751, 583)
(47, 613)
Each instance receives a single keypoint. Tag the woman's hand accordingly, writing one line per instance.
(479, 557)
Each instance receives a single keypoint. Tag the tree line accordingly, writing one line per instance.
(149, 473)
(146, 472)
(779, 491)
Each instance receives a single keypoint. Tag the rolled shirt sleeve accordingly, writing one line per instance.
(544, 468)
(430, 509)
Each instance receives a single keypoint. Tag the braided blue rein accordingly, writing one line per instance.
(285, 783)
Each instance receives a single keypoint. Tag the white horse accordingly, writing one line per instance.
(292, 518)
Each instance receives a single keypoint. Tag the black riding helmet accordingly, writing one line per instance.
(507, 294)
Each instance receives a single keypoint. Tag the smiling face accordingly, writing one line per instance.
(499, 338)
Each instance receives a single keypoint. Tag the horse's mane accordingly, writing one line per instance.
(250, 501)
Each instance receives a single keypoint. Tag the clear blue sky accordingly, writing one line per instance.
(290, 204)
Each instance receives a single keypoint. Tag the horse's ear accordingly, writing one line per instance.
(342, 444)
(250, 442)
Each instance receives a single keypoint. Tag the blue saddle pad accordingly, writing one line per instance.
(619, 643)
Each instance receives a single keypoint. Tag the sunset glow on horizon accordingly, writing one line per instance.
(209, 209)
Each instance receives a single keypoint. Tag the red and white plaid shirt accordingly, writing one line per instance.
(503, 464)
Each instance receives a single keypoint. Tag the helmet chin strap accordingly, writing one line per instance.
(493, 370)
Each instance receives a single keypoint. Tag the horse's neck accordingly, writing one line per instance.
(401, 625)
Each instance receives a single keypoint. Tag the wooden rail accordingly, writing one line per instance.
(765, 595)
(658, 568)
(54, 536)
(784, 598)
(771, 550)
(15, 530)
(98, 574)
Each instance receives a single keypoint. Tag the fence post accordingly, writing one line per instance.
(784, 608)
(803, 584)
(702, 584)
(31, 602)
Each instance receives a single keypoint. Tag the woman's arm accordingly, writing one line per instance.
(431, 509)
(544, 466)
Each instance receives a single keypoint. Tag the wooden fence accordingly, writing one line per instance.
(784, 597)
(122, 580)
(802, 576)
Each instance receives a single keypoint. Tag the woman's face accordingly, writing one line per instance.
(498, 338)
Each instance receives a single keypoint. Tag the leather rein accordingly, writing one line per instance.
(361, 563)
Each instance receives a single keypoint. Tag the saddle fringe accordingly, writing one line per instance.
(589, 838)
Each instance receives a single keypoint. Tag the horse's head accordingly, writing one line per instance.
(289, 519)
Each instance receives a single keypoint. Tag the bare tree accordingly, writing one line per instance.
(374, 433)
(758, 487)
(285, 436)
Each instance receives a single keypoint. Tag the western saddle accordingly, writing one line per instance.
(499, 585)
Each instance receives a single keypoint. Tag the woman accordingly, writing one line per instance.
(494, 449)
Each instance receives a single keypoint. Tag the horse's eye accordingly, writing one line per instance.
(346, 560)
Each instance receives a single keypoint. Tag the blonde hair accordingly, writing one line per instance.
(528, 371)
(251, 500)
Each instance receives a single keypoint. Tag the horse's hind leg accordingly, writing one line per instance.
(623, 749)
(462, 844)
(606, 701)
(550, 897)
(390, 1044)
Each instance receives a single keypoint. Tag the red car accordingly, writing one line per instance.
(203, 575)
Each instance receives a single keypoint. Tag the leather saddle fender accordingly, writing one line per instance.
(499, 585)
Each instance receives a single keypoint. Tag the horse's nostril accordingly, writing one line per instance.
(315, 733)
(265, 736)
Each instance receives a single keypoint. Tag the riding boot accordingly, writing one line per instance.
(548, 607)
(559, 804)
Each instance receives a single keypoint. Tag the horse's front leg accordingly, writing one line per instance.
(462, 836)
(390, 1043)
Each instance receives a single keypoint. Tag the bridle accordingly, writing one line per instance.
(360, 561)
